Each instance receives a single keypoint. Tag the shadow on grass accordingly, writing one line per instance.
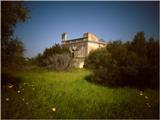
(10, 80)
(141, 85)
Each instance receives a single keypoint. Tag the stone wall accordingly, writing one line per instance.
(78, 62)
(90, 36)
(81, 47)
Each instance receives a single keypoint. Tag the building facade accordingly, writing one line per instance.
(81, 47)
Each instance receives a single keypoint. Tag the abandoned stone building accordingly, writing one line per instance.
(81, 47)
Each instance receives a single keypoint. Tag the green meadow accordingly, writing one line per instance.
(45, 94)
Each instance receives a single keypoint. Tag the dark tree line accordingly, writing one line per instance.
(133, 63)
(12, 48)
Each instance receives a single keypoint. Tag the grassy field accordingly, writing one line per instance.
(44, 94)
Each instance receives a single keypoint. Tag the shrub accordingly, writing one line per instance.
(58, 61)
(131, 63)
(55, 58)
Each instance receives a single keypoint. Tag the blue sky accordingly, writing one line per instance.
(108, 20)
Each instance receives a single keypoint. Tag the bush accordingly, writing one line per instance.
(58, 61)
(126, 64)
(55, 58)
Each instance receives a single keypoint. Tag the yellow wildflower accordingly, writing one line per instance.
(148, 105)
(7, 99)
(53, 109)
(146, 97)
(10, 86)
(141, 93)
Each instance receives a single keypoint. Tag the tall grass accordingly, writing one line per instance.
(72, 96)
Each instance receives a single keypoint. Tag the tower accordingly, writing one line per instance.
(64, 36)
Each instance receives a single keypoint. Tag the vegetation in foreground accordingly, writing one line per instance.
(133, 63)
(44, 94)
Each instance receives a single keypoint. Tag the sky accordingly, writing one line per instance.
(107, 20)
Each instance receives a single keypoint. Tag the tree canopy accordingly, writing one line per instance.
(133, 63)
(12, 12)
(57, 57)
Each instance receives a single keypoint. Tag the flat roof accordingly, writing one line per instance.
(75, 39)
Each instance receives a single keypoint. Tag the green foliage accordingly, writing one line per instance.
(13, 54)
(73, 97)
(132, 63)
(55, 58)
(12, 13)
(56, 49)
(37, 60)
(12, 48)
(93, 60)
(138, 45)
